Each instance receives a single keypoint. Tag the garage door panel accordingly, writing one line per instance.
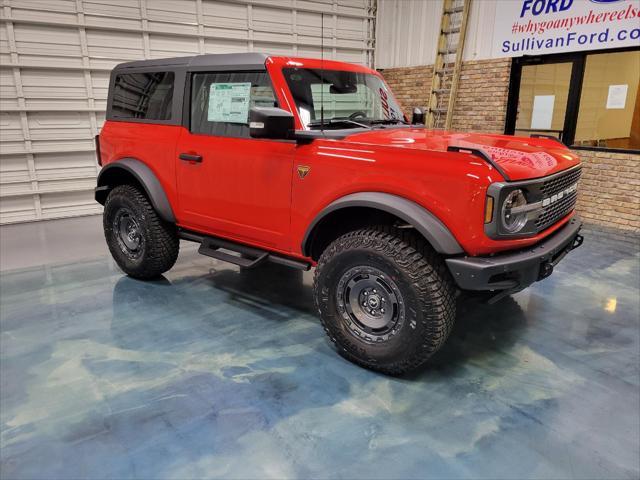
(51, 172)
(39, 39)
(222, 33)
(113, 8)
(351, 45)
(310, 51)
(8, 103)
(285, 38)
(117, 46)
(283, 4)
(51, 16)
(14, 168)
(324, 6)
(119, 24)
(59, 125)
(352, 7)
(163, 46)
(66, 204)
(350, 28)
(56, 104)
(10, 189)
(65, 185)
(60, 84)
(310, 23)
(64, 164)
(17, 209)
(353, 56)
(224, 46)
(274, 48)
(272, 20)
(225, 15)
(180, 29)
(100, 84)
(63, 145)
(10, 128)
(36, 6)
(172, 12)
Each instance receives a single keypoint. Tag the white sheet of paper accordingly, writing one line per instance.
(542, 114)
(617, 97)
(229, 102)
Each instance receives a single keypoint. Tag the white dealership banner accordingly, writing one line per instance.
(538, 27)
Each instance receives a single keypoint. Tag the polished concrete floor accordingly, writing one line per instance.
(212, 372)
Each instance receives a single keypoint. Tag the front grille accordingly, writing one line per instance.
(560, 207)
(559, 183)
(554, 212)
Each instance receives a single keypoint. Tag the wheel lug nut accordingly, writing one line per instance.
(382, 310)
(366, 293)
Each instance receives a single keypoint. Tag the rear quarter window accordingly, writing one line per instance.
(144, 96)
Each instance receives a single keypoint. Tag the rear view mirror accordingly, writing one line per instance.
(270, 122)
(341, 89)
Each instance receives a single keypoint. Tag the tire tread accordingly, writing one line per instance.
(162, 244)
(428, 275)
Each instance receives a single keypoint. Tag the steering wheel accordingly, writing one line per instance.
(357, 114)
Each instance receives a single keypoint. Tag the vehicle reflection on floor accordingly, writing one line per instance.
(213, 371)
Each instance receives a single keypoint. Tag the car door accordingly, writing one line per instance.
(230, 184)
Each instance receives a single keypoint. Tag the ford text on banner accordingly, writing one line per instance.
(538, 27)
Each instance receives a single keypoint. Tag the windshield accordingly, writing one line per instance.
(350, 99)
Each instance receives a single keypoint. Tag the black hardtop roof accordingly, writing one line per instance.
(244, 60)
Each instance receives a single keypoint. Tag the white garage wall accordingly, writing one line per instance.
(55, 57)
(415, 43)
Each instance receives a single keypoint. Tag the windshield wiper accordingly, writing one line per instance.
(333, 121)
(386, 121)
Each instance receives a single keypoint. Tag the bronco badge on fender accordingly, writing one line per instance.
(303, 170)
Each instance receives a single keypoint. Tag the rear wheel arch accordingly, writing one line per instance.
(130, 171)
(375, 208)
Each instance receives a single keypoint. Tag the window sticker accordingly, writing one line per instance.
(229, 102)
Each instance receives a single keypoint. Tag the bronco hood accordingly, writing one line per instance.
(520, 158)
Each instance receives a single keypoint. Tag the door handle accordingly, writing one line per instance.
(190, 157)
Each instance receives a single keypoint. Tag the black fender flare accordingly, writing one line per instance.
(145, 177)
(427, 224)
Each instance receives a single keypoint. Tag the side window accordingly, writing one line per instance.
(143, 96)
(220, 102)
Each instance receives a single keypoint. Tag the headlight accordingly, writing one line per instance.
(514, 217)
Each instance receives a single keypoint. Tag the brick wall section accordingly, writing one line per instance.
(609, 193)
(483, 88)
(481, 102)
(410, 86)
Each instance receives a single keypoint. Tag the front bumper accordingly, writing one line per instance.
(515, 271)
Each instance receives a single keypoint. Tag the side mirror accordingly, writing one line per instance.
(417, 117)
(270, 122)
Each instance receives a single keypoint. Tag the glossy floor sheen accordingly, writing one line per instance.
(212, 372)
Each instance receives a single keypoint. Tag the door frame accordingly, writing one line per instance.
(573, 99)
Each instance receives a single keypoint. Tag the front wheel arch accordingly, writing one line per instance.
(375, 208)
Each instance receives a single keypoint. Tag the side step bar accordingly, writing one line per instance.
(251, 257)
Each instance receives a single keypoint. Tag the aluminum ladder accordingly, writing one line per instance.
(446, 68)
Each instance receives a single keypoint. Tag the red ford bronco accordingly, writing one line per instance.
(310, 163)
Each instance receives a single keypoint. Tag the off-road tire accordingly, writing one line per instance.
(424, 284)
(160, 239)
